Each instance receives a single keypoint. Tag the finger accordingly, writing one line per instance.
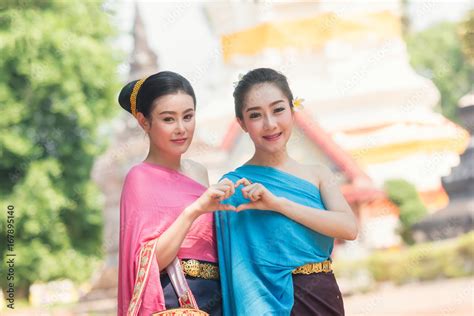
(246, 206)
(216, 193)
(231, 192)
(250, 196)
(255, 188)
(227, 181)
(220, 186)
(227, 207)
(251, 186)
(229, 188)
(243, 181)
(256, 193)
(247, 189)
(231, 185)
(224, 187)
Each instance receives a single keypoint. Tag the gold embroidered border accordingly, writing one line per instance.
(310, 268)
(144, 265)
(197, 269)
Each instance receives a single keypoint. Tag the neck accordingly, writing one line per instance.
(163, 159)
(275, 159)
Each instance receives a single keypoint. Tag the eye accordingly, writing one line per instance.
(168, 119)
(254, 115)
(280, 109)
(188, 117)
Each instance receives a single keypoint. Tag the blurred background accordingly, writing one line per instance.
(388, 106)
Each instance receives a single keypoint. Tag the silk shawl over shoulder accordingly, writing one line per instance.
(259, 249)
(152, 198)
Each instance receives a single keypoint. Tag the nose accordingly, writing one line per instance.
(180, 127)
(269, 122)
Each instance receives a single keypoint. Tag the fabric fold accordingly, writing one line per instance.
(152, 198)
(259, 249)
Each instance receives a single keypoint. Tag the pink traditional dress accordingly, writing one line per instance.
(152, 198)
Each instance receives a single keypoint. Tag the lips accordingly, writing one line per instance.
(179, 140)
(272, 137)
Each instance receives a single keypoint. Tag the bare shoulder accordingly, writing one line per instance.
(326, 176)
(322, 170)
(319, 173)
(196, 171)
(306, 172)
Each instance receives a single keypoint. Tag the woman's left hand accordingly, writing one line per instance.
(261, 198)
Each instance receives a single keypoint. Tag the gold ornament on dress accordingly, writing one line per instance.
(310, 268)
(202, 270)
(181, 312)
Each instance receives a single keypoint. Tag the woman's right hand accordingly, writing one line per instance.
(210, 201)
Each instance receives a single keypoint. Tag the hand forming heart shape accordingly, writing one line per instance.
(260, 197)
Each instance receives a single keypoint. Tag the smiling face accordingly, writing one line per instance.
(267, 117)
(171, 123)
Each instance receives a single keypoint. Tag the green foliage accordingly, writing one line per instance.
(437, 54)
(422, 262)
(466, 32)
(57, 84)
(405, 196)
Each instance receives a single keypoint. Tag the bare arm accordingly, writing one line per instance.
(169, 243)
(338, 222)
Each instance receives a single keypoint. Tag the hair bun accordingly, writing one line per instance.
(124, 96)
(150, 89)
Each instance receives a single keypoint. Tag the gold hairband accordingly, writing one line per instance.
(133, 96)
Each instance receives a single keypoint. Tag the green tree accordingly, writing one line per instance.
(404, 195)
(436, 53)
(57, 84)
(466, 32)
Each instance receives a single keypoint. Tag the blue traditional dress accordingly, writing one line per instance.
(258, 250)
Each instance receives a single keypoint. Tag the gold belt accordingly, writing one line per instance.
(310, 268)
(197, 269)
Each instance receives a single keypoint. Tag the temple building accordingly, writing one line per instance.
(367, 114)
(351, 66)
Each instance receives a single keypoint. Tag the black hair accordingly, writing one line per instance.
(155, 86)
(258, 76)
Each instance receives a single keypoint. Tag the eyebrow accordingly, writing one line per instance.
(173, 112)
(258, 107)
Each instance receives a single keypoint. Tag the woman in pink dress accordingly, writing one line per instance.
(166, 205)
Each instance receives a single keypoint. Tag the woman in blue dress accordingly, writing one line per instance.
(274, 252)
